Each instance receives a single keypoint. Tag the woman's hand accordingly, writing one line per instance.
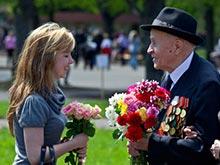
(82, 154)
(215, 149)
(80, 141)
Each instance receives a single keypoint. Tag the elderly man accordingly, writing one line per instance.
(195, 93)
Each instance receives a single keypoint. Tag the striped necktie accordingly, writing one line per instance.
(167, 82)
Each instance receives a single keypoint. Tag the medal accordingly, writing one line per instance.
(183, 113)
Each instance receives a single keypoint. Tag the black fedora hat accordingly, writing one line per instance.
(176, 22)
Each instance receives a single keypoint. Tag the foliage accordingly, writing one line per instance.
(114, 8)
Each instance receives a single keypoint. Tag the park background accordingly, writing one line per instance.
(89, 86)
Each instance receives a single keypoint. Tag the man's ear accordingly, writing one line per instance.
(179, 44)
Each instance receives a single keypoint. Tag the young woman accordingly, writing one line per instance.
(34, 115)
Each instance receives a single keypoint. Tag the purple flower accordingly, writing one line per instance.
(152, 111)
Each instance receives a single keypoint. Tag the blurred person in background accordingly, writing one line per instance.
(134, 48)
(106, 47)
(10, 46)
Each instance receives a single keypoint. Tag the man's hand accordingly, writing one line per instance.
(131, 150)
(142, 145)
(190, 132)
(215, 149)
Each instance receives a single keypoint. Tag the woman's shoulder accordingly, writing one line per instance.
(35, 97)
(35, 100)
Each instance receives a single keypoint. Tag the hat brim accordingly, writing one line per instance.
(195, 39)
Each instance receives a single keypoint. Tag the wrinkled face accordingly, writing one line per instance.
(62, 64)
(162, 50)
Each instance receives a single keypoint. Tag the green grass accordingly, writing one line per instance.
(3, 109)
(6, 147)
(102, 149)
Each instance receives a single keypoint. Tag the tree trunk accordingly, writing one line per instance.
(108, 22)
(209, 27)
(152, 8)
(26, 19)
(51, 9)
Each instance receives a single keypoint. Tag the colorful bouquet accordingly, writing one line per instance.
(134, 113)
(79, 115)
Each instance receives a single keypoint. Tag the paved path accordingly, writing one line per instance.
(3, 123)
(4, 95)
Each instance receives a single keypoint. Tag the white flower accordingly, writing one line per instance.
(114, 99)
(123, 129)
(111, 115)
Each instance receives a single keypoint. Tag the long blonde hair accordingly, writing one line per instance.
(35, 65)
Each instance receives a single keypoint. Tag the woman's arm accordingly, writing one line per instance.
(34, 139)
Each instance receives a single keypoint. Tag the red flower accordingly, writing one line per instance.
(122, 120)
(162, 93)
(134, 119)
(150, 122)
(134, 133)
(144, 97)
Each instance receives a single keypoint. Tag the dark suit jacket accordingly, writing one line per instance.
(201, 84)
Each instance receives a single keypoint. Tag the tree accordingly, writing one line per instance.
(109, 11)
(147, 10)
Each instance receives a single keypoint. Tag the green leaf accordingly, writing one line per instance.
(69, 133)
(116, 134)
(72, 132)
(67, 159)
(72, 159)
(118, 110)
(69, 125)
(90, 131)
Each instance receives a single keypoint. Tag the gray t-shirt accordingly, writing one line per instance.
(36, 111)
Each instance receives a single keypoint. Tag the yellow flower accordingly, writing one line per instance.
(142, 113)
(122, 106)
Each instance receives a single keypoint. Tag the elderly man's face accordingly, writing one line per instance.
(161, 49)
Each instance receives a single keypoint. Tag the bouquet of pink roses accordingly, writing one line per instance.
(79, 115)
(134, 113)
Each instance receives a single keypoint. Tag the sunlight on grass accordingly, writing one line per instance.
(6, 147)
(3, 108)
(102, 149)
